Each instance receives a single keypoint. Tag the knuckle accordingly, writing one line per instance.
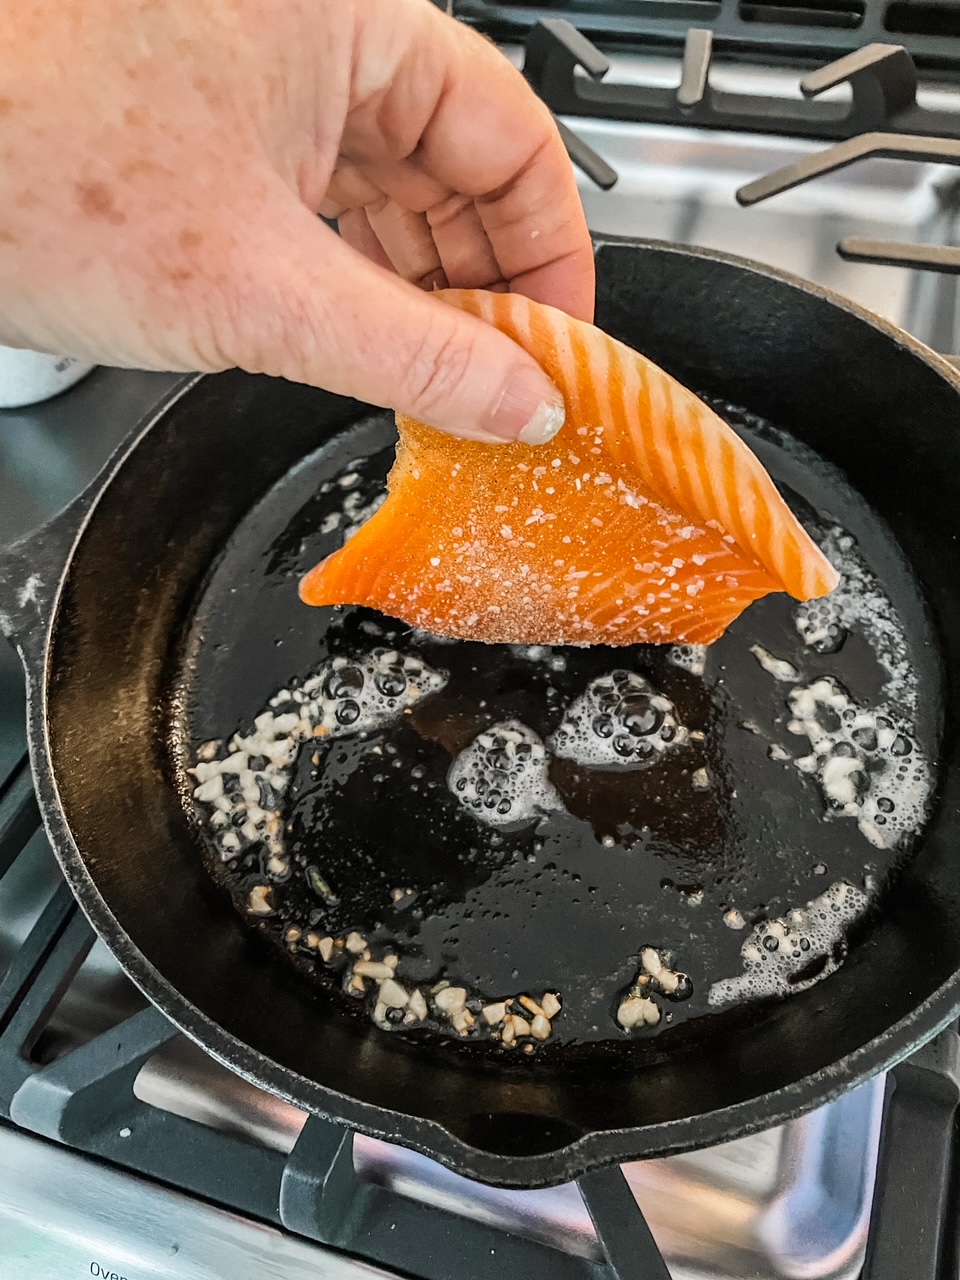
(439, 366)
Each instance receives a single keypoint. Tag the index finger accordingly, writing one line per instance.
(490, 137)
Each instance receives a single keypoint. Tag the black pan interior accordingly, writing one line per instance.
(633, 859)
(857, 396)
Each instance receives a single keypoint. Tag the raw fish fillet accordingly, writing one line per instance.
(646, 520)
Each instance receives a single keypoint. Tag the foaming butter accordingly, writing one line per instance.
(792, 952)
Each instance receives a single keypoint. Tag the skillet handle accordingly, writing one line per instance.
(30, 572)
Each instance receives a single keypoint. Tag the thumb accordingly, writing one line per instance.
(336, 320)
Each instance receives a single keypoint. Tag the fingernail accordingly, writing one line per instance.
(547, 420)
(531, 409)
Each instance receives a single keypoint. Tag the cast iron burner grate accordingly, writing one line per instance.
(883, 118)
(764, 30)
(85, 1100)
(882, 78)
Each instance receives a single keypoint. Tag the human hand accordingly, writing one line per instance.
(162, 163)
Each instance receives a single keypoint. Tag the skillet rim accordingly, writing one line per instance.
(430, 1137)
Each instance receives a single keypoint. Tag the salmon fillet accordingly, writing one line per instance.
(646, 520)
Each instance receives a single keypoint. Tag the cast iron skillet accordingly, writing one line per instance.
(97, 603)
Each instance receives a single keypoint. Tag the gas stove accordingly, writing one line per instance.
(125, 1151)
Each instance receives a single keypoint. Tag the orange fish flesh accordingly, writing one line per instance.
(646, 519)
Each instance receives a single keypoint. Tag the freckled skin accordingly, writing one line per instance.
(96, 200)
(162, 163)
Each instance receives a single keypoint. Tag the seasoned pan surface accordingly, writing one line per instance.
(690, 852)
(148, 630)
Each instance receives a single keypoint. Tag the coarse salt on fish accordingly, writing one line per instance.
(660, 525)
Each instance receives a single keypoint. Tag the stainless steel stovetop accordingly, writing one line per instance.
(793, 1202)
